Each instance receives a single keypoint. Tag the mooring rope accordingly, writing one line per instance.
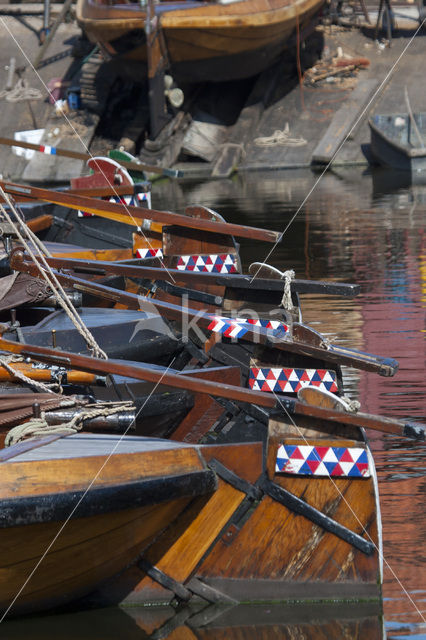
(39, 427)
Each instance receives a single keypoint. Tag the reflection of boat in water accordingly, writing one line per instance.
(203, 41)
(212, 622)
(398, 141)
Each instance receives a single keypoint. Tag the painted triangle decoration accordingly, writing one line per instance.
(132, 200)
(238, 327)
(308, 460)
(149, 253)
(291, 380)
(210, 263)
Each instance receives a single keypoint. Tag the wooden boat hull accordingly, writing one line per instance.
(204, 41)
(260, 549)
(394, 143)
(267, 532)
(59, 540)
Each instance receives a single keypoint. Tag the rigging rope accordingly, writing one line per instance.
(50, 278)
(6, 360)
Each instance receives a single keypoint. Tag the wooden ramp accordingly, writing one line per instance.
(343, 121)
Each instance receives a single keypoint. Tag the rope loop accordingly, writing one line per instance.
(21, 92)
(47, 273)
(287, 302)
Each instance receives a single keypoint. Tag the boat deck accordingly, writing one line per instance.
(84, 445)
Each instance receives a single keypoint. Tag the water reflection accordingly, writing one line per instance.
(271, 622)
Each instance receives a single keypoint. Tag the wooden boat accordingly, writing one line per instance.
(399, 141)
(294, 513)
(262, 534)
(203, 41)
(86, 506)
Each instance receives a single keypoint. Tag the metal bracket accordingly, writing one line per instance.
(292, 502)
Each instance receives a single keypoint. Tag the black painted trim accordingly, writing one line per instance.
(235, 481)
(165, 580)
(99, 500)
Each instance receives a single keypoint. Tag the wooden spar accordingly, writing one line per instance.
(134, 215)
(377, 423)
(304, 340)
(66, 153)
(45, 375)
(97, 192)
(222, 390)
(98, 366)
(237, 281)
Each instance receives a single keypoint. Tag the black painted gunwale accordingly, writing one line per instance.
(59, 506)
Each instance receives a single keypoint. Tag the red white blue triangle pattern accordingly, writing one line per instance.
(235, 327)
(132, 201)
(306, 460)
(149, 253)
(210, 263)
(279, 380)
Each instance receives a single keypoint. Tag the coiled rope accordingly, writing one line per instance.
(286, 301)
(21, 92)
(280, 138)
(39, 427)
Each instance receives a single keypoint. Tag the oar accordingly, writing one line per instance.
(304, 340)
(133, 216)
(66, 153)
(222, 390)
(230, 281)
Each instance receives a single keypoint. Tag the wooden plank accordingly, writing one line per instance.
(343, 121)
(182, 557)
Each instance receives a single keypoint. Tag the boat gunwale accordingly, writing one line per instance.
(409, 152)
(86, 11)
(48, 507)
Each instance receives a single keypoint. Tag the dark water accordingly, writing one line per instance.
(355, 228)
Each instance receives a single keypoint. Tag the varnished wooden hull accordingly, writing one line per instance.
(59, 540)
(204, 41)
(263, 550)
